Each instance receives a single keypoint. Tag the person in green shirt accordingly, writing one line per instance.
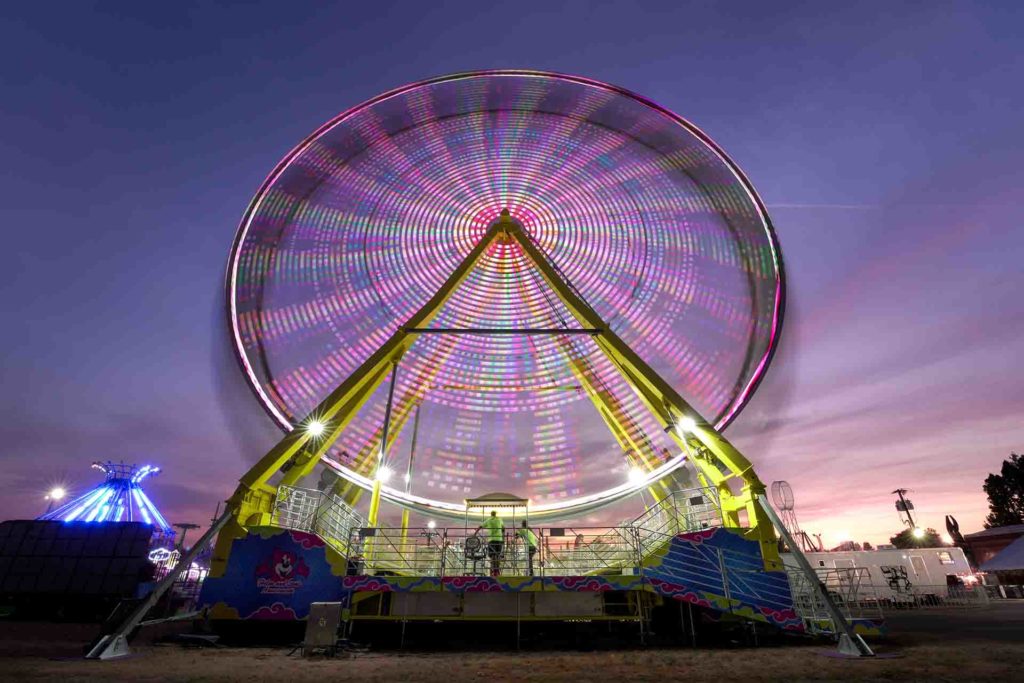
(530, 541)
(495, 540)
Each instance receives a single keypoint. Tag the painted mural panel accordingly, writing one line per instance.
(274, 574)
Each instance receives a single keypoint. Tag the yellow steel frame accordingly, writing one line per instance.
(718, 462)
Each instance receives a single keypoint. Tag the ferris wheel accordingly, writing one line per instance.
(505, 280)
(567, 290)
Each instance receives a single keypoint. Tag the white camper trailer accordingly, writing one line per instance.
(919, 575)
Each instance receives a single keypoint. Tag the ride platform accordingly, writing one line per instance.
(678, 551)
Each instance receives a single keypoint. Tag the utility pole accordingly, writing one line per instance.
(904, 506)
(185, 527)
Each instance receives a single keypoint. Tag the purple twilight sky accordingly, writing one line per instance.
(887, 142)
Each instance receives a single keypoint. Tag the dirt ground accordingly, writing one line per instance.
(964, 645)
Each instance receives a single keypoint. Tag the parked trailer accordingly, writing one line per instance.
(920, 576)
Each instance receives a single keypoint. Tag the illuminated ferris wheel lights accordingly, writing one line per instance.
(629, 203)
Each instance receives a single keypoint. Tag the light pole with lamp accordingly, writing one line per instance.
(56, 494)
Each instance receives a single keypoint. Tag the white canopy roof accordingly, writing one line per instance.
(1008, 559)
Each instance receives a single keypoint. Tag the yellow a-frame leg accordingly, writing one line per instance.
(365, 461)
(716, 459)
(610, 408)
(299, 451)
(614, 416)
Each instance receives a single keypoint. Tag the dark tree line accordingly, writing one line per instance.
(1006, 493)
(929, 538)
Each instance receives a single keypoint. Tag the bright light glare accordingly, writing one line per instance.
(383, 473)
(687, 424)
(636, 475)
(918, 532)
(431, 524)
(947, 539)
(315, 428)
(57, 493)
(408, 477)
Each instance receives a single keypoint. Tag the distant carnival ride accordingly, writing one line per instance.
(119, 498)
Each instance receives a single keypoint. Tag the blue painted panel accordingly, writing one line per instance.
(274, 577)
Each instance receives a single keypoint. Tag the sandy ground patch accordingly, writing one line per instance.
(983, 645)
(155, 663)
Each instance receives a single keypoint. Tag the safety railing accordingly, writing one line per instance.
(721, 571)
(858, 596)
(459, 551)
(392, 551)
(849, 587)
(680, 512)
(923, 596)
(578, 552)
(318, 512)
(456, 551)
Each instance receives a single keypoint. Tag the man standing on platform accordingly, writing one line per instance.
(495, 540)
(530, 542)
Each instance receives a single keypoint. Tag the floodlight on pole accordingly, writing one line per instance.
(55, 495)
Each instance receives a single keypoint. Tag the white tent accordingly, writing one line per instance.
(1010, 558)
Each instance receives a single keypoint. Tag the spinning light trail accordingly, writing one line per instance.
(647, 219)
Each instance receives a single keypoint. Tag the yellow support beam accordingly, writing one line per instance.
(306, 461)
(369, 454)
(662, 400)
(614, 415)
(365, 461)
(405, 526)
(371, 518)
(610, 409)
